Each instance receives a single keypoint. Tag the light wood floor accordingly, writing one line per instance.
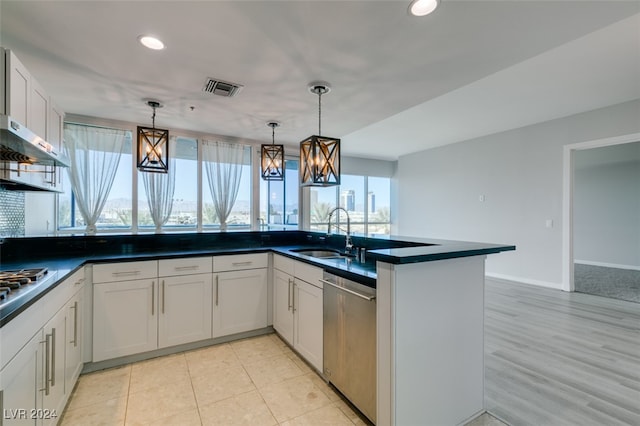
(558, 358)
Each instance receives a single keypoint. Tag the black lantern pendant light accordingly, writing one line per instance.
(272, 164)
(153, 145)
(319, 155)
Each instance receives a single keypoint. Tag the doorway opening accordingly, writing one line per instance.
(601, 211)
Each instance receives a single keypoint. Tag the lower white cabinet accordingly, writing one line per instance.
(124, 318)
(131, 317)
(298, 309)
(54, 337)
(75, 330)
(36, 382)
(185, 309)
(20, 382)
(240, 301)
(307, 319)
(283, 304)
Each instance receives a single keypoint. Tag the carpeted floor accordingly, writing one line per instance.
(615, 283)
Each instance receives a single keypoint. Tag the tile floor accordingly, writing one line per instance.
(256, 381)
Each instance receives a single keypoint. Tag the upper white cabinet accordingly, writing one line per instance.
(27, 102)
(17, 88)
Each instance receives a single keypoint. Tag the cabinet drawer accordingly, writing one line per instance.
(238, 262)
(283, 263)
(185, 266)
(125, 271)
(308, 273)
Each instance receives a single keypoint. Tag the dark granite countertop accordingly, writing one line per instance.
(64, 255)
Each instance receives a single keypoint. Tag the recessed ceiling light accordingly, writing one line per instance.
(423, 7)
(151, 42)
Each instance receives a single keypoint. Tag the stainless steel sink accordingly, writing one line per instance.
(319, 253)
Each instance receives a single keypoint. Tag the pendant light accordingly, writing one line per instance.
(272, 157)
(153, 145)
(319, 155)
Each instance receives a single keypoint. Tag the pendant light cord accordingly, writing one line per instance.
(273, 135)
(319, 111)
(153, 118)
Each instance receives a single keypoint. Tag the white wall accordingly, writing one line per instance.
(606, 206)
(519, 173)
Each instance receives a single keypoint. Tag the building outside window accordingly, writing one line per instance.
(369, 214)
(279, 206)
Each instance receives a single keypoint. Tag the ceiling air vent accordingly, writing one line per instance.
(222, 88)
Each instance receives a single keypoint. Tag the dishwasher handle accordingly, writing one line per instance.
(355, 293)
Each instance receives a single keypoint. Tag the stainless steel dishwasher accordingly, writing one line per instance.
(350, 341)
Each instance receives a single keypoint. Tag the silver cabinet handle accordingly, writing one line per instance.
(80, 281)
(355, 293)
(125, 273)
(153, 297)
(242, 263)
(163, 297)
(47, 348)
(53, 357)
(289, 295)
(186, 268)
(75, 324)
(293, 297)
(217, 290)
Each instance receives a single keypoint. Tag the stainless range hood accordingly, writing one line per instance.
(28, 162)
(19, 144)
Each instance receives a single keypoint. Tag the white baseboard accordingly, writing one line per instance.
(540, 283)
(607, 265)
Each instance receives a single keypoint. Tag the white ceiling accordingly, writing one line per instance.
(400, 84)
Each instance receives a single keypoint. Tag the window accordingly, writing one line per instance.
(240, 216)
(366, 198)
(279, 199)
(117, 211)
(184, 212)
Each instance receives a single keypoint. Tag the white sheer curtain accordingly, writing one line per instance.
(159, 188)
(223, 162)
(95, 155)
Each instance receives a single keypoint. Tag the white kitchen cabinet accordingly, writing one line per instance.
(75, 322)
(19, 384)
(55, 134)
(298, 309)
(171, 304)
(307, 317)
(53, 359)
(283, 304)
(124, 318)
(17, 96)
(185, 304)
(39, 110)
(240, 301)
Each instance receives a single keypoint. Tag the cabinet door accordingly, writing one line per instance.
(283, 304)
(307, 311)
(53, 362)
(39, 110)
(19, 384)
(18, 93)
(185, 309)
(73, 355)
(240, 301)
(56, 127)
(124, 318)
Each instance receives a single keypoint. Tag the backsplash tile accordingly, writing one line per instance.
(11, 213)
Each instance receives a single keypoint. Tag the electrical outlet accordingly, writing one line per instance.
(549, 223)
